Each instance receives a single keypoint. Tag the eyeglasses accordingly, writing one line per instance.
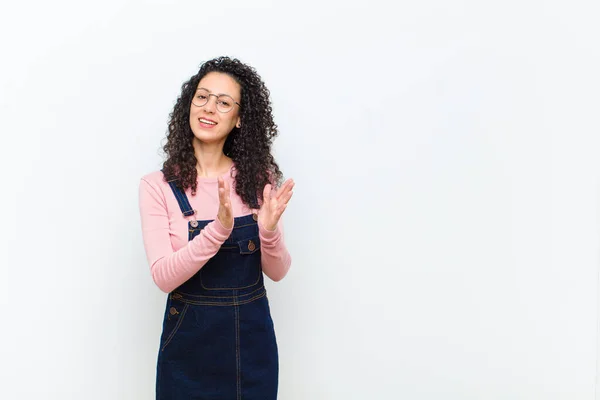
(225, 103)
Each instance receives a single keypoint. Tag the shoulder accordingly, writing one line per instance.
(154, 178)
(153, 183)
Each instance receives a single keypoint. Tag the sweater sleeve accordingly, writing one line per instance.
(172, 268)
(275, 257)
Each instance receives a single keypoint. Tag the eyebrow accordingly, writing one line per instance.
(201, 88)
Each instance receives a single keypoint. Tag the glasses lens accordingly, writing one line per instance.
(224, 103)
(200, 98)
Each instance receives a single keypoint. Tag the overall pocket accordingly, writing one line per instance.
(174, 316)
(235, 266)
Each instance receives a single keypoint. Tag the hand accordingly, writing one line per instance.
(274, 204)
(225, 213)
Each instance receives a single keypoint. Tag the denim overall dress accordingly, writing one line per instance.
(218, 341)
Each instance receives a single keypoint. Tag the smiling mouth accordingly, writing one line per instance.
(205, 121)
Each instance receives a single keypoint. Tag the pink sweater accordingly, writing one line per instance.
(172, 258)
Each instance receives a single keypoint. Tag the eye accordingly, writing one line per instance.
(201, 96)
(225, 103)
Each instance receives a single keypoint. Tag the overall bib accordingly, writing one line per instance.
(218, 341)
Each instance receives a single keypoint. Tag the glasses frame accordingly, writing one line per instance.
(216, 106)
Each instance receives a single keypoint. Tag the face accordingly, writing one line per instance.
(208, 122)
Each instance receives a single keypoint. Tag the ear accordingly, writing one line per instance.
(238, 124)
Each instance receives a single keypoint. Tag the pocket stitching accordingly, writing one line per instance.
(176, 328)
(255, 240)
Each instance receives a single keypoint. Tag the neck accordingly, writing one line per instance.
(211, 160)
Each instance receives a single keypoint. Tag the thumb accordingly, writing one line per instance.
(267, 193)
(223, 188)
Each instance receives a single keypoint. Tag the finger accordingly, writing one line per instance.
(267, 193)
(221, 189)
(285, 188)
(280, 211)
(223, 192)
(288, 184)
(285, 196)
(285, 199)
(227, 188)
(222, 197)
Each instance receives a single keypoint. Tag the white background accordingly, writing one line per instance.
(444, 227)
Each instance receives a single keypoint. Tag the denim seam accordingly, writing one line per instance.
(177, 197)
(176, 328)
(184, 204)
(230, 303)
(237, 348)
(234, 226)
(243, 226)
(179, 201)
(194, 230)
(237, 247)
(215, 297)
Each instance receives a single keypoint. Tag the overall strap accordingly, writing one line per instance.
(182, 199)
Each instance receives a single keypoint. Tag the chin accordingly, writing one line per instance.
(209, 137)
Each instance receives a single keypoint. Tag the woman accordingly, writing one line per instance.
(211, 221)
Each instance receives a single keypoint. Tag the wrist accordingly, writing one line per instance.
(268, 232)
(267, 227)
(227, 226)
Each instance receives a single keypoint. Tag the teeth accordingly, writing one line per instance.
(207, 122)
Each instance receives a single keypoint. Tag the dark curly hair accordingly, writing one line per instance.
(249, 146)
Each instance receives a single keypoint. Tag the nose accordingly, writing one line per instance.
(210, 105)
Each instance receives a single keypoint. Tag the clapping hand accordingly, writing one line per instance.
(225, 213)
(274, 203)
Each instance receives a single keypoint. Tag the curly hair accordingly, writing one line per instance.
(249, 146)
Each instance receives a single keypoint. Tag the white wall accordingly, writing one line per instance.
(444, 228)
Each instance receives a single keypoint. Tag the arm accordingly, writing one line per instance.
(172, 268)
(275, 257)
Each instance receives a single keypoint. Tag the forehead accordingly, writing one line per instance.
(220, 83)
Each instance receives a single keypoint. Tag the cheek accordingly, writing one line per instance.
(229, 120)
